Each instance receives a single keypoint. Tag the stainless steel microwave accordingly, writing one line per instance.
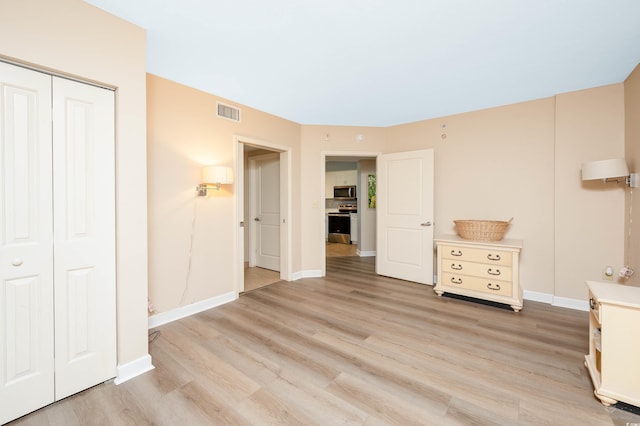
(344, 192)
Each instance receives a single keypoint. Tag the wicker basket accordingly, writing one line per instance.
(482, 230)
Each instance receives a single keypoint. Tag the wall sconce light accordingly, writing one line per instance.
(213, 177)
(610, 171)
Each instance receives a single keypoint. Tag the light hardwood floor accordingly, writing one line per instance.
(355, 348)
(255, 277)
(340, 250)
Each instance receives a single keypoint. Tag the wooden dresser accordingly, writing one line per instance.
(480, 269)
(614, 351)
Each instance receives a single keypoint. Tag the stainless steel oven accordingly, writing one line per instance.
(340, 224)
(339, 228)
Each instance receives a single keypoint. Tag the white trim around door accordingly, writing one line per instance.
(286, 209)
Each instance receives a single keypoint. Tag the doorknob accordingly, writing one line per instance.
(427, 223)
(16, 261)
(257, 219)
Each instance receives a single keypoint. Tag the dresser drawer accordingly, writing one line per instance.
(485, 285)
(483, 270)
(481, 255)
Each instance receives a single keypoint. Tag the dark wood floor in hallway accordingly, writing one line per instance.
(355, 348)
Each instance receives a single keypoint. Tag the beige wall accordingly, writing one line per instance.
(495, 164)
(192, 239)
(589, 215)
(632, 154)
(521, 161)
(74, 38)
(315, 141)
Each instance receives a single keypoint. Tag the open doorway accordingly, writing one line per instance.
(350, 222)
(262, 211)
(402, 232)
(264, 206)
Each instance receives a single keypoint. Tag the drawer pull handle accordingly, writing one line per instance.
(493, 257)
(493, 287)
(592, 303)
(490, 272)
(457, 267)
(456, 253)
(456, 280)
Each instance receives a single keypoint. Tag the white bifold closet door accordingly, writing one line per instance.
(57, 252)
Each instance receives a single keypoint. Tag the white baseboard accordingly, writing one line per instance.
(538, 297)
(312, 273)
(565, 302)
(133, 369)
(194, 308)
(562, 302)
(365, 253)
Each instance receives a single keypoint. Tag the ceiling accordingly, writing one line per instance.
(384, 62)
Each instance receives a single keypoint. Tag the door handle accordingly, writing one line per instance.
(257, 219)
(16, 261)
(427, 223)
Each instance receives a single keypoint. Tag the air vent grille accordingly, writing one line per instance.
(229, 112)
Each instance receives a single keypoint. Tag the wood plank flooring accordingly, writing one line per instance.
(355, 348)
(340, 250)
(256, 277)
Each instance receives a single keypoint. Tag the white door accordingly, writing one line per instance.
(57, 247)
(26, 246)
(265, 211)
(84, 235)
(405, 216)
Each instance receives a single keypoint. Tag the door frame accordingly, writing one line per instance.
(356, 155)
(286, 207)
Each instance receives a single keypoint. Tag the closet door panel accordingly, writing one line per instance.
(84, 224)
(26, 242)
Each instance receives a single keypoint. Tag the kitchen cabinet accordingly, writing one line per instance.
(339, 178)
(480, 269)
(614, 349)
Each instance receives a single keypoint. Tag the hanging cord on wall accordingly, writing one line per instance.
(153, 336)
(626, 262)
(630, 271)
(627, 271)
(193, 228)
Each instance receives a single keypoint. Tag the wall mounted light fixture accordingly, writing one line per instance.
(213, 177)
(610, 171)
(613, 171)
